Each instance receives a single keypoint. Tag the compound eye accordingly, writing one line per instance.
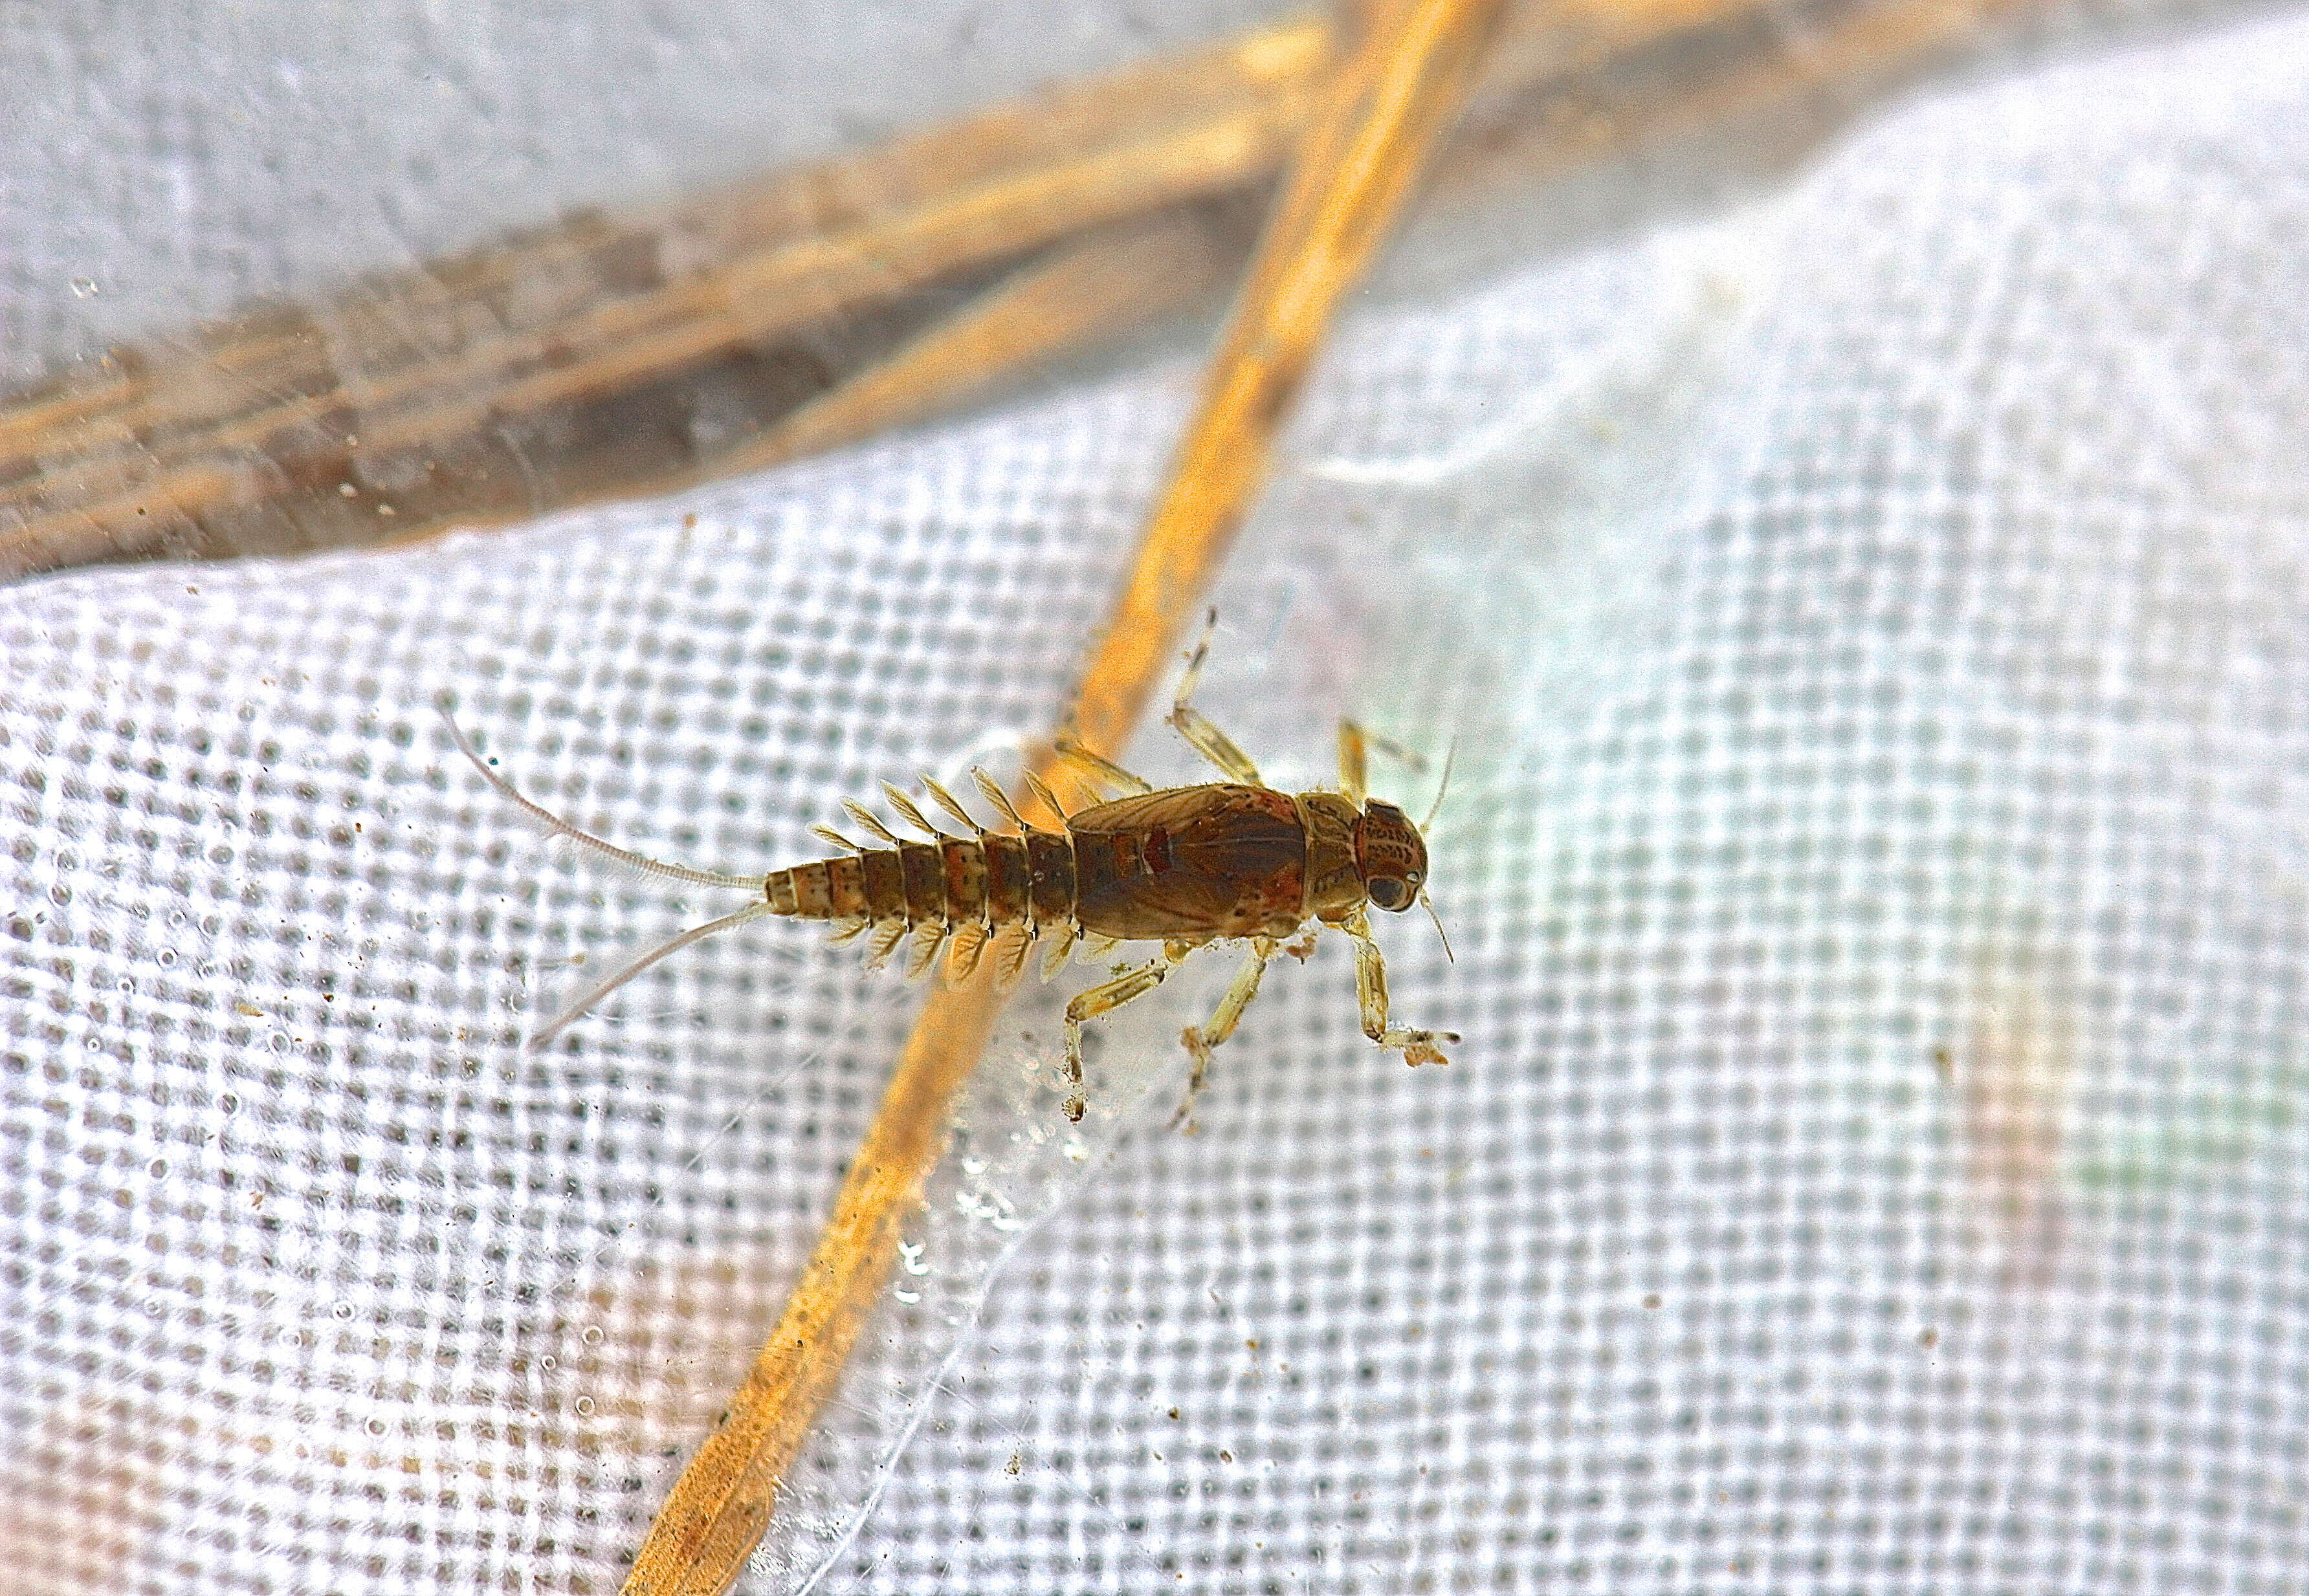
(1390, 894)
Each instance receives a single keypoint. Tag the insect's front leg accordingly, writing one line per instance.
(1105, 998)
(1371, 987)
(1224, 1020)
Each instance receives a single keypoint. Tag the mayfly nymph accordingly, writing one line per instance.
(1227, 861)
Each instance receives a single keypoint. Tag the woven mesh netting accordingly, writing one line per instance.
(1872, 626)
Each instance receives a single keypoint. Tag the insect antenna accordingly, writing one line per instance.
(577, 833)
(1389, 746)
(1428, 904)
(1451, 756)
(634, 966)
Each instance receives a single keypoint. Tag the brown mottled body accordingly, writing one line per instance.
(1220, 861)
(967, 891)
(1232, 860)
(1184, 866)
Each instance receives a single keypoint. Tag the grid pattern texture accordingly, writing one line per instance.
(1873, 626)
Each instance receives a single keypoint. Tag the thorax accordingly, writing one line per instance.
(1334, 885)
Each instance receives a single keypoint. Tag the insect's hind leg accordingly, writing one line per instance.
(1106, 998)
(1192, 724)
(1417, 1046)
(1223, 1022)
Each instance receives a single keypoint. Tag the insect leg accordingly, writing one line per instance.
(1353, 781)
(1418, 1047)
(1223, 1019)
(1203, 737)
(1102, 999)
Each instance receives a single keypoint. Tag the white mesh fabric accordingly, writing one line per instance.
(1874, 630)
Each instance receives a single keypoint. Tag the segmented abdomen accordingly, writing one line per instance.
(974, 888)
(993, 882)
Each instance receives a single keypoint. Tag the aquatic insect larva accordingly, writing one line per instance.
(1228, 861)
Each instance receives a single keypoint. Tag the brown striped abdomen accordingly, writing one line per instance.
(997, 881)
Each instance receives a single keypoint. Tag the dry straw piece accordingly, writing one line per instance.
(821, 305)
